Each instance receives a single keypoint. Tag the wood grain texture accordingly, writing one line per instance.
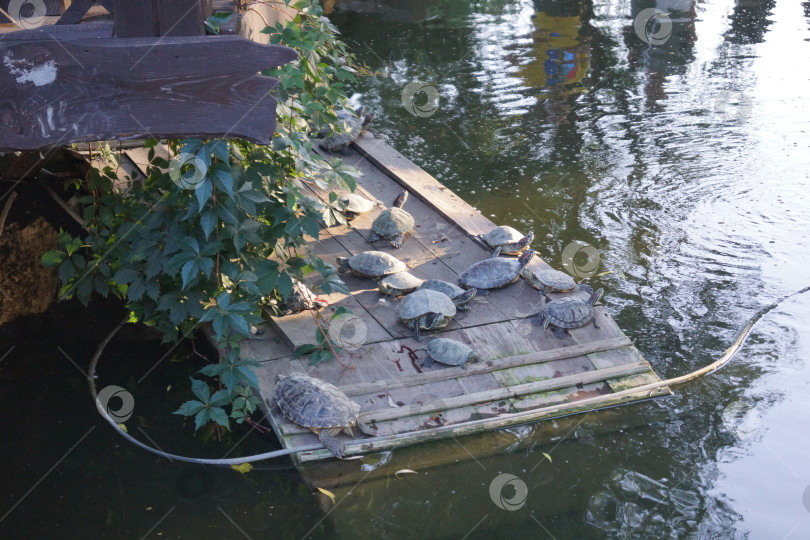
(65, 90)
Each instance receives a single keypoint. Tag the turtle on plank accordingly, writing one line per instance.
(354, 205)
(568, 313)
(319, 406)
(495, 272)
(399, 284)
(456, 293)
(352, 124)
(450, 352)
(426, 310)
(505, 240)
(392, 224)
(550, 280)
(372, 264)
(300, 299)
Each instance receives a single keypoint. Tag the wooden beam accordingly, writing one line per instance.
(182, 17)
(135, 18)
(488, 366)
(75, 12)
(65, 89)
(486, 396)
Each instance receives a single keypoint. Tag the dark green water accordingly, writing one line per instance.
(554, 117)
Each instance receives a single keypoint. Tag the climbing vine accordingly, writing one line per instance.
(220, 226)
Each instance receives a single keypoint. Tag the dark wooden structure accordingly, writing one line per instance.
(150, 74)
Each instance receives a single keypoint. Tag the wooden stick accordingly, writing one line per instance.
(487, 396)
(64, 206)
(6, 208)
(488, 366)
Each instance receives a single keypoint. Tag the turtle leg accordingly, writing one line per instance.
(428, 361)
(419, 322)
(345, 150)
(495, 252)
(373, 237)
(348, 431)
(397, 240)
(560, 333)
(336, 446)
(463, 307)
(538, 319)
(594, 323)
(587, 288)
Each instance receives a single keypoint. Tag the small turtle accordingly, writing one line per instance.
(319, 406)
(550, 280)
(456, 293)
(568, 313)
(373, 264)
(494, 273)
(506, 240)
(352, 126)
(393, 223)
(399, 284)
(300, 299)
(448, 351)
(355, 204)
(426, 310)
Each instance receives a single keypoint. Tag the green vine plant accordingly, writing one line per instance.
(223, 225)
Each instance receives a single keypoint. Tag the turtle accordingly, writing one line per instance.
(568, 313)
(393, 223)
(355, 204)
(506, 240)
(399, 284)
(456, 293)
(353, 124)
(373, 264)
(426, 310)
(300, 299)
(319, 406)
(550, 280)
(448, 351)
(495, 272)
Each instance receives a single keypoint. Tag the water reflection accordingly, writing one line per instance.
(749, 21)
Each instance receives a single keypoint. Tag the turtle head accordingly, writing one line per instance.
(465, 297)
(473, 358)
(433, 321)
(400, 200)
(366, 119)
(343, 264)
(596, 296)
(530, 278)
(526, 257)
(526, 240)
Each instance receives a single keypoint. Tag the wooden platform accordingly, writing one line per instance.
(524, 375)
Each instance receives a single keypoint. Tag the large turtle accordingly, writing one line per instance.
(352, 126)
(393, 223)
(568, 313)
(550, 280)
(456, 293)
(301, 298)
(495, 272)
(506, 240)
(399, 284)
(450, 352)
(426, 310)
(373, 264)
(319, 406)
(355, 204)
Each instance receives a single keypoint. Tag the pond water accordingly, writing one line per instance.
(677, 149)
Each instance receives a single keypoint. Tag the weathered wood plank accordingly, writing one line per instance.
(74, 13)
(135, 18)
(514, 391)
(182, 17)
(488, 366)
(58, 92)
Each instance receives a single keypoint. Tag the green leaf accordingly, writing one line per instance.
(303, 350)
(189, 408)
(52, 257)
(208, 221)
(203, 191)
(218, 415)
(200, 390)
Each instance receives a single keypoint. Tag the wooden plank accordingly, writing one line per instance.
(135, 18)
(490, 366)
(518, 390)
(65, 91)
(74, 13)
(182, 17)
(521, 417)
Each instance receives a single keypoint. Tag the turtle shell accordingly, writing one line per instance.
(399, 283)
(392, 222)
(569, 312)
(494, 272)
(375, 264)
(553, 280)
(425, 301)
(356, 204)
(450, 289)
(314, 403)
(450, 352)
(501, 236)
(352, 127)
